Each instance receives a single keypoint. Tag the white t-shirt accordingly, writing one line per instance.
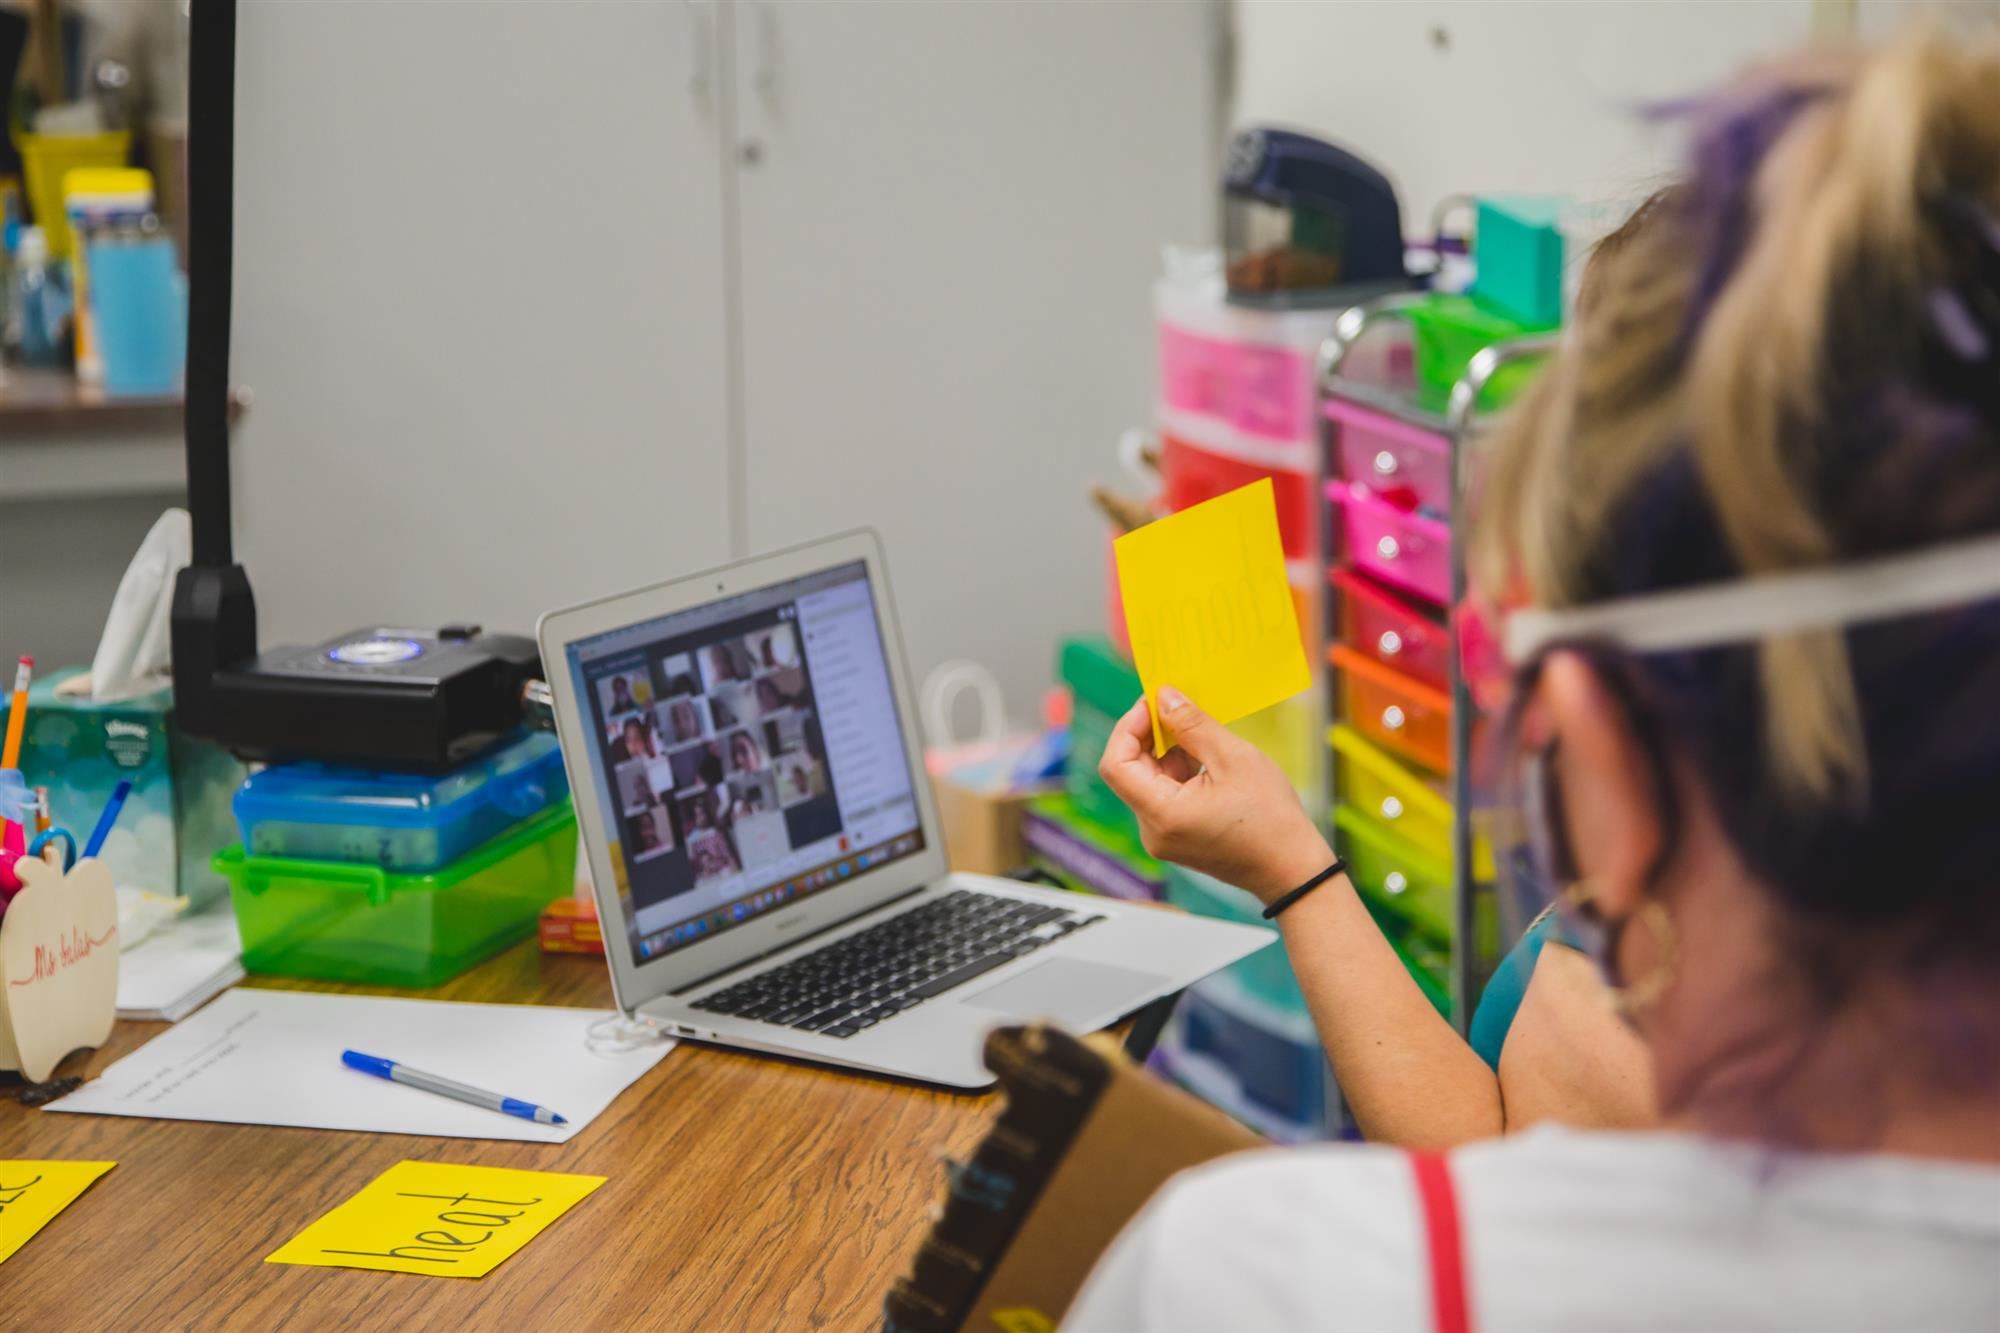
(1563, 1230)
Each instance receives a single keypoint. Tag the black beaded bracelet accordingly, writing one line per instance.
(1302, 890)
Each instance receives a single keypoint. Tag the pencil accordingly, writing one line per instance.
(17, 716)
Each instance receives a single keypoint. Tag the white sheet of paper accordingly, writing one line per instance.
(267, 1057)
(180, 965)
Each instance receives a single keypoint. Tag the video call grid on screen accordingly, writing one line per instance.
(709, 746)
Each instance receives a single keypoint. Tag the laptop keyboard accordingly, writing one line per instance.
(854, 983)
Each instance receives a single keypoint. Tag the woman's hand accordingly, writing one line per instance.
(1216, 803)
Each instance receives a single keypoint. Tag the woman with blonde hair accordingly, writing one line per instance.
(1740, 550)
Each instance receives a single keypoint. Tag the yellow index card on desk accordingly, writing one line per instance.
(1209, 608)
(32, 1193)
(430, 1217)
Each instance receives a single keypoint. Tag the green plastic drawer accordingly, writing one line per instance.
(1102, 686)
(339, 921)
(1428, 962)
(1098, 674)
(1395, 872)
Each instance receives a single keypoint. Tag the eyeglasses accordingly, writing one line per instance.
(1738, 611)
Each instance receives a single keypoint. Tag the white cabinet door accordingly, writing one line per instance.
(950, 217)
(480, 299)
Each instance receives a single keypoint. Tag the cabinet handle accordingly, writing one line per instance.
(701, 60)
(1388, 548)
(1385, 464)
(1392, 718)
(1390, 644)
(1392, 808)
(1395, 882)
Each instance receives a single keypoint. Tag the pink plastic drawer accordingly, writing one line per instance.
(1273, 392)
(1407, 551)
(1195, 372)
(1386, 454)
(1260, 389)
(1191, 474)
(1375, 621)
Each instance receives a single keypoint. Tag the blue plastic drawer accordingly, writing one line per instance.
(1261, 1064)
(408, 822)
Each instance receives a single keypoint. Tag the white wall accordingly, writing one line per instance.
(479, 298)
(1543, 96)
(486, 270)
(1508, 95)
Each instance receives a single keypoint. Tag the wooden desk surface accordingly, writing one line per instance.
(743, 1193)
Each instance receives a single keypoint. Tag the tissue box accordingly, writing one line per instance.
(178, 814)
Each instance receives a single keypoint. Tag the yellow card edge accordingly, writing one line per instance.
(594, 1183)
(1119, 547)
(102, 1168)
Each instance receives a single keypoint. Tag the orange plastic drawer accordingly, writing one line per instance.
(1397, 712)
(1191, 474)
(1394, 632)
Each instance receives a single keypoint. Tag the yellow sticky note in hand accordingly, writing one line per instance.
(1209, 608)
(430, 1217)
(32, 1193)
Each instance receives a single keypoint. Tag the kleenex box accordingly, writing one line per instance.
(178, 815)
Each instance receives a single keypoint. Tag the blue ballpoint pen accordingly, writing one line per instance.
(107, 819)
(444, 1087)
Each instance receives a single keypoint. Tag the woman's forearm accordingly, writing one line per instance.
(1407, 1075)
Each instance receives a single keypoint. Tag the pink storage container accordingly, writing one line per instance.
(1407, 551)
(1384, 454)
(1195, 372)
(1261, 389)
(1395, 633)
(1274, 392)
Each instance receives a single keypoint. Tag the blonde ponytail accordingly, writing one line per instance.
(1840, 203)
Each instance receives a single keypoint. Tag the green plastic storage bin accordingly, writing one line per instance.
(338, 921)
(1102, 686)
(1266, 974)
(1447, 332)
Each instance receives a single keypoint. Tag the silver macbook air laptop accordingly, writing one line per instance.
(767, 860)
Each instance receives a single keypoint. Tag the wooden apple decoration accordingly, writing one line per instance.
(58, 965)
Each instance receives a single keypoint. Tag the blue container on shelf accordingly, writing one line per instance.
(1259, 1063)
(407, 822)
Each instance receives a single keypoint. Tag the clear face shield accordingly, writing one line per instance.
(1501, 654)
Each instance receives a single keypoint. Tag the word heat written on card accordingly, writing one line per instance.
(1209, 609)
(32, 1193)
(429, 1217)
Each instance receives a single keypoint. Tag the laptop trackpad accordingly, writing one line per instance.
(1068, 992)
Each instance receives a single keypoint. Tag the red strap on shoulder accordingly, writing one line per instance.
(1451, 1312)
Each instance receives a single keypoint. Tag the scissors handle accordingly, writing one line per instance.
(62, 835)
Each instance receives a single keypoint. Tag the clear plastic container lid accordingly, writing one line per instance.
(521, 778)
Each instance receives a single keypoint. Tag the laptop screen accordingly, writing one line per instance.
(748, 754)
